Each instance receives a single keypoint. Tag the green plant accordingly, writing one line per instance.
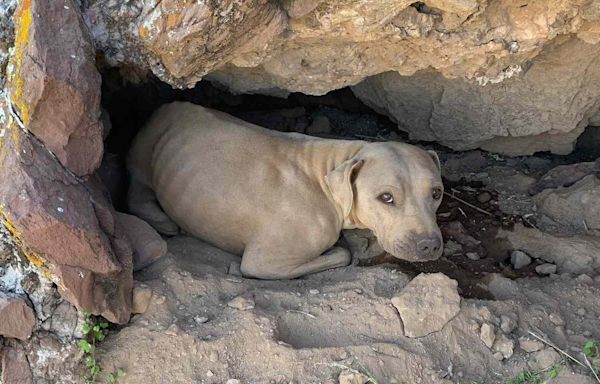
(527, 377)
(537, 377)
(591, 349)
(95, 331)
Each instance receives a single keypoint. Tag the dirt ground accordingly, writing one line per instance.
(308, 330)
(311, 329)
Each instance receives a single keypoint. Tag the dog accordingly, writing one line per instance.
(280, 199)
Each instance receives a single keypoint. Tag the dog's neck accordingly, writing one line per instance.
(323, 156)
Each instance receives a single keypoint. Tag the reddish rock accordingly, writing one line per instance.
(147, 244)
(65, 226)
(15, 368)
(16, 317)
(54, 83)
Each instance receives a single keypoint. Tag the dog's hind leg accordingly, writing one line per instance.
(261, 266)
(142, 203)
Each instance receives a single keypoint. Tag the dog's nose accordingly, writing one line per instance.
(428, 246)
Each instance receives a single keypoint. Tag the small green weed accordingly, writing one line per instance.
(537, 377)
(95, 331)
(527, 377)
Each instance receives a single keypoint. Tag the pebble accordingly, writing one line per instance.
(498, 356)
(556, 319)
(584, 279)
(581, 312)
(484, 197)
(200, 319)
(452, 248)
(241, 303)
(487, 335)
(314, 291)
(545, 269)
(504, 345)
(142, 294)
(209, 373)
(348, 377)
(473, 255)
(507, 324)
(234, 269)
(544, 359)
(233, 381)
(519, 259)
(530, 345)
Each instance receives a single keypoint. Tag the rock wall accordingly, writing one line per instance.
(51, 205)
(494, 72)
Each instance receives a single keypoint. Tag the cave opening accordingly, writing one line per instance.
(471, 216)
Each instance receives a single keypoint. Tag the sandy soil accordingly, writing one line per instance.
(308, 330)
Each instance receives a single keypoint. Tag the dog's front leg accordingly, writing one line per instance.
(261, 265)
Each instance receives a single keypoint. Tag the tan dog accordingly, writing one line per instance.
(281, 199)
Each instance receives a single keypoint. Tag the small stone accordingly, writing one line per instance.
(348, 377)
(233, 381)
(427, 304)
(504, 345)
(314, 291)
(241, 303)
(142, 295)
(556, 319)
(173, 330)
(234, 269)
(581, 312)
(200, 319)
(487, 335)
(209, 373)
(16, 317)
(473, 255)
(484, 197)
(546, 269)
(498, 356)
(519, 259)
(452, 248)
(544, 359)
(507, 324)
(530, 345)
(584, 279)
(587, 333)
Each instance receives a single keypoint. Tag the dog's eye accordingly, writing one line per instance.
(436, 193)
(386, 198)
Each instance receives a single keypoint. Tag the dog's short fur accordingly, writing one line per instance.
(281, 199)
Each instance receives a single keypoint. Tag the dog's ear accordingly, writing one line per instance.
(339, 182)
(435, 158)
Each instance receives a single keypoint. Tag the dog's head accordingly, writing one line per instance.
(394, 189)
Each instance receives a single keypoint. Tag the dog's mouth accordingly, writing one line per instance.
(404, 251)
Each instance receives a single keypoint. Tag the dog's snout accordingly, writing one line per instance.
(428, 246)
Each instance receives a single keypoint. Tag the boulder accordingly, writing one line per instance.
(427, 304)
(499, 117)
(65, 226)
(16, 317)
(572, 254)
(54, 84)
(575, 206)
(564, 176)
